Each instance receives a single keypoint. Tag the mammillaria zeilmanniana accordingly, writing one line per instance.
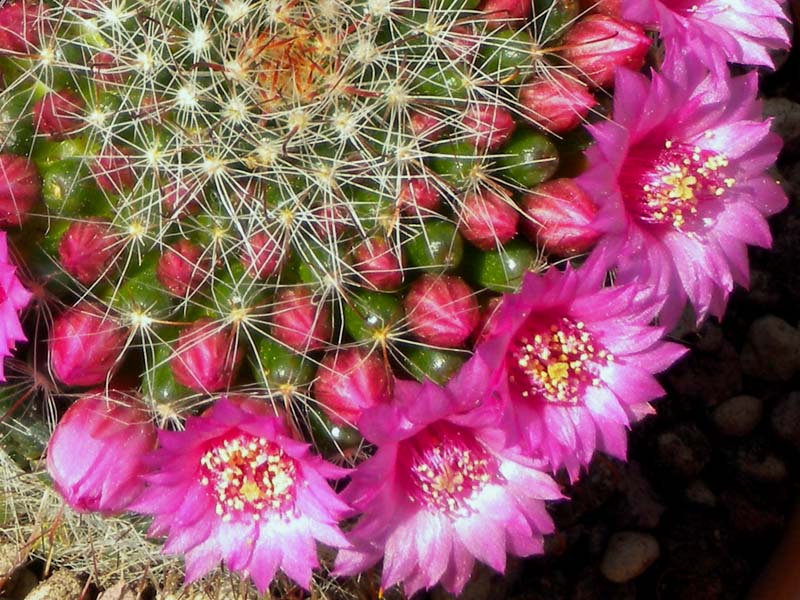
(333, 255)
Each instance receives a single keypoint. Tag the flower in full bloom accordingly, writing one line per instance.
(235, 486)
(575, 363)
(716, 31)
(678, 176)
(443, 488)
(13, 298)
(95, 453)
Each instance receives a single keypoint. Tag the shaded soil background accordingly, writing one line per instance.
(712, 478)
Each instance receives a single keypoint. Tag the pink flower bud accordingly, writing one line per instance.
(378, 264)
(606, 7)
(206, 358)
(426, 126)
(598, 44)
(441, 310)
(113, 169)
(179, 197)
(181, 269)
(557, 104)
(263, 255)
(106, 68)
(418, 196)
(488, 126)
(507, 12)
(58, 114)
(350, 381)
(488, 218)
(461, 43)
(95, 455)
(87, 249)
(559, 216)
(330, 220)
(300, 321)
(85, 345)
(20, 188)
(19, 26)
(486, 325)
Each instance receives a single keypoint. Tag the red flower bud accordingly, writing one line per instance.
(19, 27)
(85, 345)
(507, 12)
(263, 255)
(559, 216)
(418, 196)
(300, 321)
(488, 126)
(179, 197)
(20, 188)
(87, 249)
(606, 7)
(58, 114)
(598, 44)
(206, 358)
(95, 455)
(441, 310)
(378, 264)
(487, 219)
(113, 170)
(181, 269)
(426, 126)
(486, 324)
(350, 381)
(106, 69)
(557, 104)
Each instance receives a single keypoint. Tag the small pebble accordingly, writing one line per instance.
(772, 350)
(118, 592)
(628, 555)
(685, 451)
(61, 585)
(769, 468)
(698, 492)
(738, 416)
(785, 419)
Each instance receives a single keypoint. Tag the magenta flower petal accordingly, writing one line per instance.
(716, 31)
(573, 364)
(13, 300)
(678, 177)
(234, 487)
(442, 490)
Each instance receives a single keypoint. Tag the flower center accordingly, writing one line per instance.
(556, 362)
(249, 476)
(670, 187)
(446, 467)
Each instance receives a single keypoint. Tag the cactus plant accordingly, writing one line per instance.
(294, 204)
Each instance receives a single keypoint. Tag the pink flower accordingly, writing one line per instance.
(442, 489)
(575, 363)
(234, 486)
(95, 454)
(678, 177)
(13, 299)
(716, 31)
